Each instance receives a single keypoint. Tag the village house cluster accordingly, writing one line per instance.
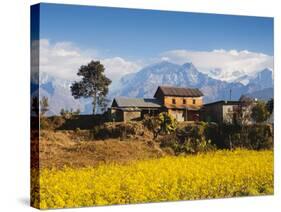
(184, 104)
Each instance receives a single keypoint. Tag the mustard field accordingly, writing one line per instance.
(212, 175)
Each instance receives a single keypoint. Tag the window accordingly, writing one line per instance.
(184, 101)
(194, 101)
(174, 101)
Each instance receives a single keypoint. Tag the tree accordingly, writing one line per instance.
(44, 105)
(168, 122)
(164, 122)
(245, 110)
(94, 84)
(260, 112)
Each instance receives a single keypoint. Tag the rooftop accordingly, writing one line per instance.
(178, 91)
(224, 102)
(136, 102)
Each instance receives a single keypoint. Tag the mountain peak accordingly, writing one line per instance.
(266, 70)
(164, 63)
(188, 66)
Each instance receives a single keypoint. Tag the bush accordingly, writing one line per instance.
(164, 123)
(45, 123)
(168, 123)
(260, 137)
(256, 136)
(260, 112)
(118, 130)
(57, 121)
(191, 139)
(51, 123)
(153, 124)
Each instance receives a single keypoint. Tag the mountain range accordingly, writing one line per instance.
(145, 82)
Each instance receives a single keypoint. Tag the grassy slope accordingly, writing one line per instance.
(65, 148)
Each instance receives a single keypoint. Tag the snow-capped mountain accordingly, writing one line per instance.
(263, 78)
(59, 95)
(145, 82)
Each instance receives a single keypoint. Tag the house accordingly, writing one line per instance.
(126, 109)
(183, 104)
(220, 111)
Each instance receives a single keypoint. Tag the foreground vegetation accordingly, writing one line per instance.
(211, 175)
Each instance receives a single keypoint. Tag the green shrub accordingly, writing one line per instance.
(260, 136)
(190, 139)
(164, 123)
(168, 122)
(255, 136)
(260, 112)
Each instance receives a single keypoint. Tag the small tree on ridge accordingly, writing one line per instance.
(94, 84)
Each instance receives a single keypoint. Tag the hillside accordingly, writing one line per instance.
(72, 149)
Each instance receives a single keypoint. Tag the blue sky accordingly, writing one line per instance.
(145, 33)
(126, 40)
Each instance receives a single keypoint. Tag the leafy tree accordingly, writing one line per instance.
(168, 123)
(94, 84)
(260, 112)
(244, 111)
(164, 122)
(103, 102)
(44, 105)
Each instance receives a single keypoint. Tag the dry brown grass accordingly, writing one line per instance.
(63, 148)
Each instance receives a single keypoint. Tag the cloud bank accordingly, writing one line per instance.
(63, 59)
(222, 64)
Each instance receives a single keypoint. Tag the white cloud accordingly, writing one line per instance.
(222, 64)
(63, 59)
(117, 67)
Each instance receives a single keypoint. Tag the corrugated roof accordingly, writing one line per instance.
(224, 102)
(182, 92)
(137, 102)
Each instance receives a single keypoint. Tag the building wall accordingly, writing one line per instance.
(179, 102)
(213, 113)
(118, 115)
(220, 113)
(228, 113)
(184, 115)
(177, 114)
(131, 115)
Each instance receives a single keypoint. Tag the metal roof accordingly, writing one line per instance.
(178, 91)
(137, 102)
(224, 102)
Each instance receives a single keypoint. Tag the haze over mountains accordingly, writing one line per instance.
(145, 82)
